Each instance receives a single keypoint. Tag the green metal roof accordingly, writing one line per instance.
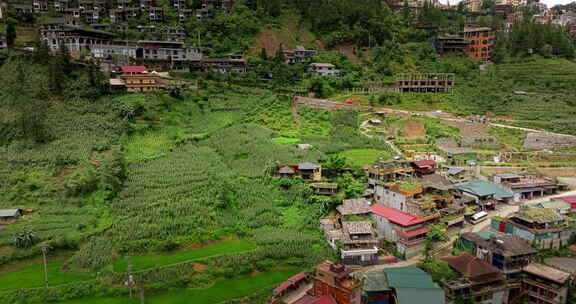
(413, 285)
(373, 281)
(483, 188)
(487, 234)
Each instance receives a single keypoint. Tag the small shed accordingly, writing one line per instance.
(10, 214)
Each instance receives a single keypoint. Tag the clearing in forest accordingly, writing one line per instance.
(140, 262)
(414, 129)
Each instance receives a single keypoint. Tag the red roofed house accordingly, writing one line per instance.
(479, 280)
(424, 166)
(405, 229)
(139, 79)
(570, 200)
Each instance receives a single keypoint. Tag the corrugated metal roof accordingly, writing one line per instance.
(483, 188)
(134, 69)
(9, 212)
(413, 285)
(373, 280)
(396, 216)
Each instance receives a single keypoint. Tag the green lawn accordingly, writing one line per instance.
(33, 276)
(223, 290)
(286, 140)
(140, 262)
(365, 156)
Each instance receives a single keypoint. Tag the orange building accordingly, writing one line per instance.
(480, 41)
(335, 280)
(139, 79)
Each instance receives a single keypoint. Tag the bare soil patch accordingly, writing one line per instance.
(469, 128)
(414, 129)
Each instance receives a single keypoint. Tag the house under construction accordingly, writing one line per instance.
(425, 82)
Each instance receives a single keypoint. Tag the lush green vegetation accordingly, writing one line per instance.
(363, 157)
(140, 262)
(219, 292)
(33, 276)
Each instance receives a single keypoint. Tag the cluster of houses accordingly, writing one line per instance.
(333, 283)
(121, 11)
(392, 219)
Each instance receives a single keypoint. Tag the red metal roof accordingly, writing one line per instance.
(424, 163)
(411, 233)
(291, 281)
(395, 216)
(134, 69)
(308, 299)
(569, 199)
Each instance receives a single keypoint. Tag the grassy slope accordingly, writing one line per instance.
(155, 260)
(221, 291)
(33, 276)
(365, 156)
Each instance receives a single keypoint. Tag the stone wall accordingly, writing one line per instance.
(549, 141)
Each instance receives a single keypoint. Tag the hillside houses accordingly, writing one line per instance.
(525, 186)
(542, 227)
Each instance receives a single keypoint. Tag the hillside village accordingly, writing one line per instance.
(287, 152)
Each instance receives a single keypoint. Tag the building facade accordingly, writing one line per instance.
(481, 42)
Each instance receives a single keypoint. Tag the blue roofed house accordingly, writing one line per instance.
(485, 194)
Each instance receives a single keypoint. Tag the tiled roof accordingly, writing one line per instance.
(396, 216)
(354, 206)
(547, 272)
(469, 266)
(357, 227)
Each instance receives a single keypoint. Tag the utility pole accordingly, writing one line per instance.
(130, 281)
(45, 247)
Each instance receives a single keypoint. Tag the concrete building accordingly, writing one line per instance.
(324, 69)
(481, 41)
(526, 186)
(405, 229)
(545, 285)
(543, 228)
(485, 194)
(139, 79)
(449, 45)
(508, 253)
(479, 281)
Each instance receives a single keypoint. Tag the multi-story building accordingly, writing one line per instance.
(544, 285)
(449, 45)
(336, 282)
(388, 171)
(481, 41)
(139, 79)
(526, 187)
(232, 63)
(299, 55)
(473, 5)
(359, 243)
(324, 69)
(40, 6)
(544, 228)
(405, 229)
(479, 281)
(508, 253)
